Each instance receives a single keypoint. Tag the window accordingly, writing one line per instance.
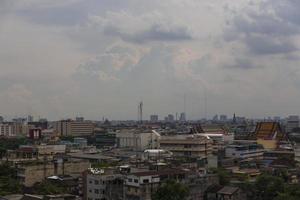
(96, 182)
(96, 191)
(136, 180)
(130, 180)
(146, 181)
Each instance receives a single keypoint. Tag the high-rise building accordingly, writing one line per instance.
(182, 117)
(223, 118)
(154, 118)
(29, 118)
(215, 118)
(169, 118)
(292, 122)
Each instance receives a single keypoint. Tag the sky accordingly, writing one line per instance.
(100, 58)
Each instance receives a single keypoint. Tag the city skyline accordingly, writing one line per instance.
(100, 58)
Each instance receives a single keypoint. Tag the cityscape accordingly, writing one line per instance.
(149, 100)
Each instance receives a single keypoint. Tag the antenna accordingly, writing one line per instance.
(140, 112)
(205, 103)
(184, 103)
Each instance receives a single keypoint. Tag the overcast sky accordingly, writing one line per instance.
(99, 58)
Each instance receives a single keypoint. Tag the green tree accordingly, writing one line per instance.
(171, 190)
(268, 187)
(47, 187)
(223, 174)
(8, 181)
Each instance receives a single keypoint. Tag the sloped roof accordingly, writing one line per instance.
(269, 130)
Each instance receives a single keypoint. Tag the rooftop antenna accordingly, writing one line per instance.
(184, 105)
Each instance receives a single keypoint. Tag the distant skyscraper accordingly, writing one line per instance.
(29, 118)
(154, 118)
(182, 117)
(215, 118)
(169, 118)
(292, 122)
(79, 119)
(1, 119)
(223, 118)
(276, 119)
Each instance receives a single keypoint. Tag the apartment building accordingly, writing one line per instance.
(103, 184)
(141, 185)
(196, 146)
(138, 140)
(244, 151)
(74, 128)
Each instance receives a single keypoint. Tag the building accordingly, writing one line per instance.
(137, 140)
(8, 130)
(29, 118)
(269, 134)
(40, 124)
(74, 128)
(292, 122)
(37, 152)
(102, 140)
(169, 118)
(30, 173)
(244, 151)
(154, 118)
(187, 145)
(80, 142)
(141, 185)
(182, 117)
(223, 118)
(35, 134)
(103, 184)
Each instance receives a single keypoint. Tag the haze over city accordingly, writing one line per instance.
(100, 58)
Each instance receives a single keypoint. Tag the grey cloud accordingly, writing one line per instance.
(242, 63)
(264, 32)
(262, 45)
(156, 32)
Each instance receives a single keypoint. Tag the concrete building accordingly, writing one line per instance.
(223, 118)
(8, 130)
(182, 117)
(141, 185)
(74, 128)
(169, 118)
(187, 145)
(154, 118)
(244, 151)
(291, 123)
(137, 140)
(33, 172)
(38, 152)
(102, 184)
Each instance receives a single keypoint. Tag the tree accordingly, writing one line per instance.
(291, 192)
(8, 181)
(268, 187)
(223, 174)
(47, 187)
(171, 190)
